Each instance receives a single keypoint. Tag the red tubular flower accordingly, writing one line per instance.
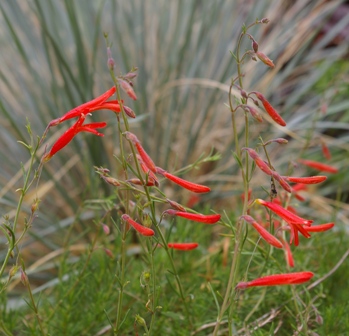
(207, 219)
(183, 246)
(306, 180)
(277, 280)
(296, 223)
(319, 166)
(271, 111)
(197, 188)
(144, 231)
(286, 215)
(259, 162)
(125, 86)
(143, 154)
(84, 108)
(319, 228)
(268, 237)
(70, 133)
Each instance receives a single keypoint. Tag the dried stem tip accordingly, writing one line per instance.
(278, 280)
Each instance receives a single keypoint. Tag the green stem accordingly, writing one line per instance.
(19, 206)
(35, 308)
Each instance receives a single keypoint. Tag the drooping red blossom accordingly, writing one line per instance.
(183, 246)
(270, 110)
(319, 228)
(296, 223)
(125, 86)
(194, 187)
(278, 280)
(258, 160)
(306, 180)
(84, 108)
(207, 219)
(143, 154)
(267, 236)
(70, 133)
(144, 231)
(319, 166)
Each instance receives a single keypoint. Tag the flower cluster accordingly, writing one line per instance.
(143, 160)
(291, 186)
(81, 112)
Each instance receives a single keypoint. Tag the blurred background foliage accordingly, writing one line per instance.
(53, 57)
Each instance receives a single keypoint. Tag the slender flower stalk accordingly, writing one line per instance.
(183, 246)
(268, 237)
(278, 280)
(194, 187)
(319, 166)
(144, 231)
(206, 219)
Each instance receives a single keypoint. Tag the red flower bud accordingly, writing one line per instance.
(144, 231)
(259, 162)
(271, 111)
(125, 86)
(265, 59)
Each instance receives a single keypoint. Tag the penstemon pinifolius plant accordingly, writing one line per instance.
(277, 190)
(142, 207)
